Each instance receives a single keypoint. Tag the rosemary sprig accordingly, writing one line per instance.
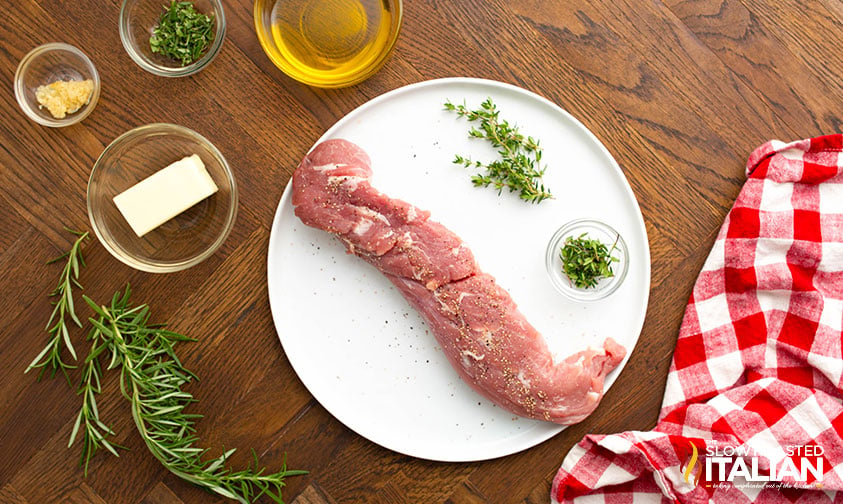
(182, 33)
(95, 432)
(585, 260)
(519, 167)
(152, 377)
(50, 356)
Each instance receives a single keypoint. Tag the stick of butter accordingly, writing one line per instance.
(165, 194)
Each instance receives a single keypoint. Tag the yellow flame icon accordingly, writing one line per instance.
(691, 465)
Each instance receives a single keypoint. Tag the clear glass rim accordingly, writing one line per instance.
(348, 79)
(153, 266)
(561, 282)
(20, 90)
(166, 71)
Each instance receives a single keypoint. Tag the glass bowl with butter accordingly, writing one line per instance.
(56, 85)
(162, 198)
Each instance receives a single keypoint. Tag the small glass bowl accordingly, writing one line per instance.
(183, 241)
(328, 44)
(139, 17)
(48, 63)
(593, 229)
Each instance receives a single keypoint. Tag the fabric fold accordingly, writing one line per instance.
(753, 408)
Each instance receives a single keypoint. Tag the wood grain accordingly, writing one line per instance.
(679, 91)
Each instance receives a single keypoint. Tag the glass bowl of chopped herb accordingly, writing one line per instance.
(172, 39)
(587, 260)
(56, 85)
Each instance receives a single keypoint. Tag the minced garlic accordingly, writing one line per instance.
(64, 97)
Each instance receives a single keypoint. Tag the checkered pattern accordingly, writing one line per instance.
(756, 374)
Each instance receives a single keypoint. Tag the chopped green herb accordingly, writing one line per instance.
(182, 33)
(585, 261)
(518, 168)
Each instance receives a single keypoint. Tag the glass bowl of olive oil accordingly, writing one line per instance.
(328, 43)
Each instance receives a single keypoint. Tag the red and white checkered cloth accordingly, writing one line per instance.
(756, 375)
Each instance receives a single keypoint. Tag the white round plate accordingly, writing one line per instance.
(357, 345)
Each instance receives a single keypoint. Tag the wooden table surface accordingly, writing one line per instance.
(679, 91)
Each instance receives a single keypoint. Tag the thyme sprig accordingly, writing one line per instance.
(586, 260)
(519, 166)
(59, 337)
(151, 379)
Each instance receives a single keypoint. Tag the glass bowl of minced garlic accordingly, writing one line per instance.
(56, 85)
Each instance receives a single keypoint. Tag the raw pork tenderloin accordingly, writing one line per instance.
(484, 336)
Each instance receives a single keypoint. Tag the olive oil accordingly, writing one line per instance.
(331, 43)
